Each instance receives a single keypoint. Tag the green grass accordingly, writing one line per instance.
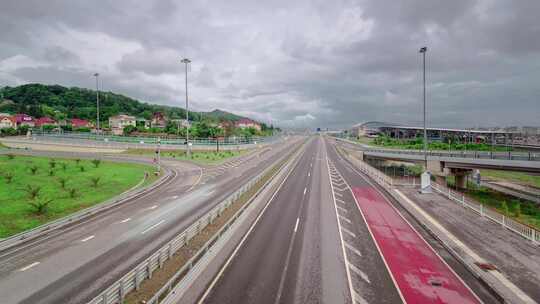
(201, 157)
(524, 211)
(516, 177)
(417, 144)
(16, 211)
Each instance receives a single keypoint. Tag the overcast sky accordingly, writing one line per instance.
(296, 63)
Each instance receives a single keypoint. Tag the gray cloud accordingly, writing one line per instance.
(305, 63)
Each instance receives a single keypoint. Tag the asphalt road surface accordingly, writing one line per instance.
(314, 244)
(74, 264)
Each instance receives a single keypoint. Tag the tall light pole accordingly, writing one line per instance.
(97, 103)
(426, 178)
(186, 62)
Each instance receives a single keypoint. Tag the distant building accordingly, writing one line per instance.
(119, 122)
(80, 123)
(181, 122)
(45, 121)
(248, 123)
(7, 121)
(159, 120)
(24, 120)
(141, 122)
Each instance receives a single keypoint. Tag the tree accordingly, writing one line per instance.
(32, 191)
(40, 207)
(129, 129)
(96, 162)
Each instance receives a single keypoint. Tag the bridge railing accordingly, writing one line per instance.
(526, 156)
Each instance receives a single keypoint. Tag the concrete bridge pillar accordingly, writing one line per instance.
(460, 177)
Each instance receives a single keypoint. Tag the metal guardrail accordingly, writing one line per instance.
(132, 280)
(506, 222)
(509, 155)
(525, 156)
(154, 140)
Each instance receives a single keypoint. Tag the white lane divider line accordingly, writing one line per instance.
(349, 232)
(359, 272)
(88, 238)
(151, 208)
(342, 209)
(175, 197)
(341, 201)
(152, 227)
(125, 220)
(296, 225)
(29, 266)
(309, 174)
(345, 219)
(305, 189)
(338, 194)
(339, 189)
(351, 248)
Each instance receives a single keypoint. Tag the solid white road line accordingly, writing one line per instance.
(235, 252)
(88, 238)
(153, 226)
(125, 220)
(296, 225)
(29, 266)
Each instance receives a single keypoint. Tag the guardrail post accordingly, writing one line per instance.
(463, 199)
(137, 281)
(533, 235)
(121, 291)
(149, 269)
(482, 211)
(160, 260)
(105, 298)
(503, 221)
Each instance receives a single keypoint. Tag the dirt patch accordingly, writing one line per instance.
(161, 276)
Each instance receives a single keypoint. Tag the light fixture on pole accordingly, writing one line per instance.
(97, 103)
(426, 176)
(187, 62)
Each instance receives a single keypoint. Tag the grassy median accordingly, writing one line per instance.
(201, 157)
(37, 190)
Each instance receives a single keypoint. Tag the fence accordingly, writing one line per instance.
(132, 280)
(172, 140)
(519, 228)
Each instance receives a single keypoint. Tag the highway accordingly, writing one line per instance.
(74, 264)
(321, 241)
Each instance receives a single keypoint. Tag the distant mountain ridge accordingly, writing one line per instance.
(61, 102)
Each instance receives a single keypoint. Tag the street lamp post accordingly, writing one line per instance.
(186, 62)
(426, 178)
(97, 103)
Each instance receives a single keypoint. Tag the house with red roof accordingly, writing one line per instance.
(248, 123)
(42, 121)
(24, 120)
(80, 123)
(7, 121)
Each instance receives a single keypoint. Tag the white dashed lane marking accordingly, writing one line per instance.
(88, 238)
(29, 266)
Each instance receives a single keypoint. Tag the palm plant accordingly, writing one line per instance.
(96, 162)
(9, 177)
(95, 181)
(32, 191)
(40, 207)
(34, 169)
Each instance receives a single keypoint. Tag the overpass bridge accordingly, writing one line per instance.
(456, 163)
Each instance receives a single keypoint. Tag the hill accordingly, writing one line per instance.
(61, 102)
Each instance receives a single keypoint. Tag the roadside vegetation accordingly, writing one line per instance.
(521, 210)
(515, 177)
(418, 144)
(201, 157)
(37, 190)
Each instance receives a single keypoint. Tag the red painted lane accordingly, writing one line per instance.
(412, 262)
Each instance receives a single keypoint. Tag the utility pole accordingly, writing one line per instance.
(186, 62)
(426, 176)
(97, 103)
(158, 156)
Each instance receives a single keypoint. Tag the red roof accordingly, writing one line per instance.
(12, 118)
(20, 118)
(76, 122)
(44, 121)
(246, 121)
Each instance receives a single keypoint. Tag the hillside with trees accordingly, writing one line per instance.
(60, 102)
